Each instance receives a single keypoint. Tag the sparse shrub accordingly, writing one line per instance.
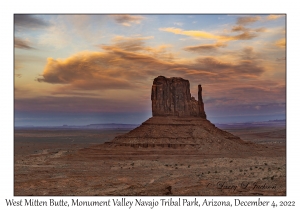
(231, 161)
(266, 164)
(251, 168)
(241, 170)
(189, 166)
(216, 172)
(230, 171)
(208, 172)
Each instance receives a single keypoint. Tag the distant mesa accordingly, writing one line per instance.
(179, 121)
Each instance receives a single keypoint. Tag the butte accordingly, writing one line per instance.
(179, 121)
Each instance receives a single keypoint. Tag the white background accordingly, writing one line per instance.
(139, 6)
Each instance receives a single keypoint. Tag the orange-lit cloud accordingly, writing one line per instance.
(128, 20)
(129, 64)
(281, 43)
(120, 64)
(274, 17)
(85, 70)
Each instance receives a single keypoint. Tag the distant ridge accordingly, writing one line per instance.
(270, 123)
(90, 126)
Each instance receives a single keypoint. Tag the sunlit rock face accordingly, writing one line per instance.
(172, 97)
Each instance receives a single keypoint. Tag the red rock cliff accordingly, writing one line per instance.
(172, 97)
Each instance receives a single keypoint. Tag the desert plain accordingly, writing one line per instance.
(67, 161)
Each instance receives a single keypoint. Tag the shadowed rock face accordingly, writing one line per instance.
(172, 97)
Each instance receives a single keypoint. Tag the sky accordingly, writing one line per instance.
(87, 69)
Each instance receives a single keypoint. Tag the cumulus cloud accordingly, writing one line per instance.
(128, 20)
(22, 44)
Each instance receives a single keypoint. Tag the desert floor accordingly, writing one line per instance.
(76, 162)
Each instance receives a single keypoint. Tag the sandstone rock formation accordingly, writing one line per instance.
(172, 97)
(179, 121)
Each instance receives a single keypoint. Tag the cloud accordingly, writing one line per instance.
(130, 43)
(238, 28)
(25, 21)
(196, 34)
(125, 61)
(229, 70)
(22, 44)
(128, 20)
(205, 47)
(246, 35)
(129, 64)
(281, 43)
(281, 59)
(85, 70)
(274, 17)
(178, 23)
(247, 20)
(120, 75)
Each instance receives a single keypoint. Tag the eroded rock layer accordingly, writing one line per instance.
(178, 132)
(172, 97)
